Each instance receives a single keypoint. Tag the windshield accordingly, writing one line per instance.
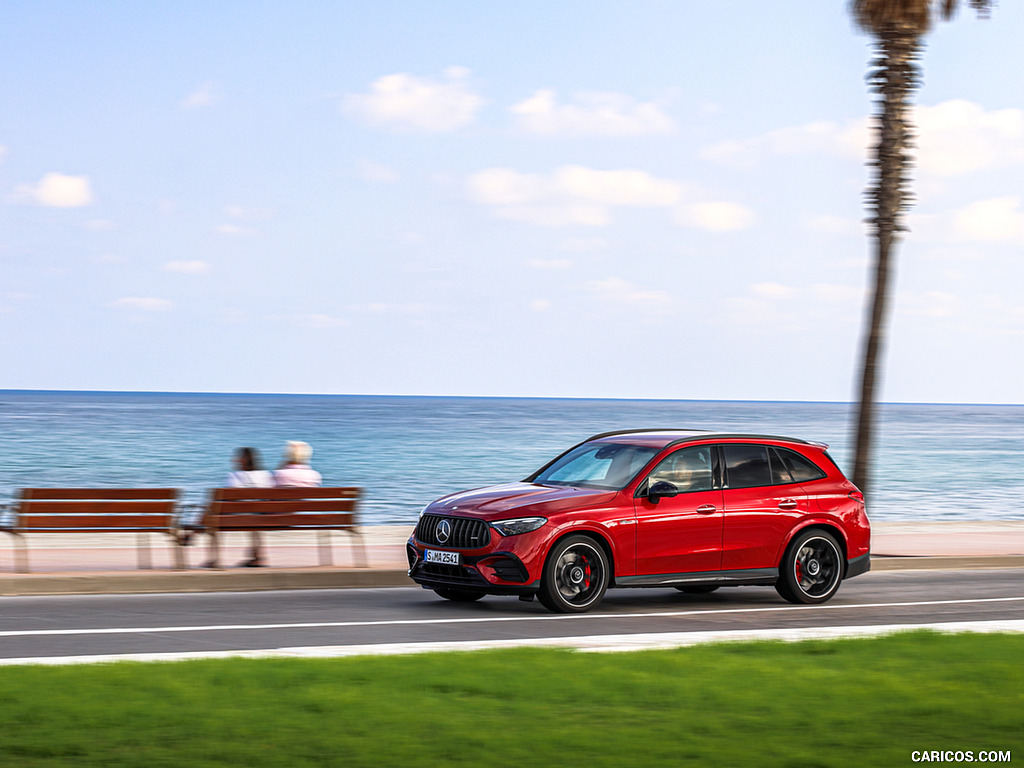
(597, 465)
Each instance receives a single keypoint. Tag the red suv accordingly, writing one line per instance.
(651, 508)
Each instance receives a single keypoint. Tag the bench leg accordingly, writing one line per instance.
(142, 551)
(214, 548)
(20, 552)
(326, 557)
(178, 551)
(360, 561)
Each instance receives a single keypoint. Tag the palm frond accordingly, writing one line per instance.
(914, 16)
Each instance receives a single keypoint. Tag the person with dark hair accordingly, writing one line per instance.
(249, 474)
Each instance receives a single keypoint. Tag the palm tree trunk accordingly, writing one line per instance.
(894, 79)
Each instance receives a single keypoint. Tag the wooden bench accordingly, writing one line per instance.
(94, 510)
(271, 509)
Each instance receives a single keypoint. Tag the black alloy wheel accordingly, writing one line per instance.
(575, 576)
(811, 569)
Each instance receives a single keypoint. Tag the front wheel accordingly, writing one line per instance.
(811, 569)
(575, 576)
(458, 595)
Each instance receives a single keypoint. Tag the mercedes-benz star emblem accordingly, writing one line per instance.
(443, 531)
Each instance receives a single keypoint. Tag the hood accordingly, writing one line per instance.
(502, 501)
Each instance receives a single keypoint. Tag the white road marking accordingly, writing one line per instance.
(592, 643)
(486, 619)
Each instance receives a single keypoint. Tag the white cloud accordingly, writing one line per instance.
(57, 190)
(958, 136)
(994, 220)
(823, 136)
(776, 306)
(418, 102)
(953, 138)
(540, 305)
(603, 114)
(716, 216)
(828, 224)
(187, 267)
(571, 195)
(933, 304)
(773, 291)
(618, 294)
(203, 96)
(148, 304)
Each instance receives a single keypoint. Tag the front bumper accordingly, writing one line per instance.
(508, 575)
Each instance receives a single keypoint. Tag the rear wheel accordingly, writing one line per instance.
(811, 569)
(458, 595)
(575, 576)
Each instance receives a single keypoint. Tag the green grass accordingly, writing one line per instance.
(866, 702)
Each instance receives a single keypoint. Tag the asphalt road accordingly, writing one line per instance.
(86, 626)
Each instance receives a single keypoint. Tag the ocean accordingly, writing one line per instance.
(934, 462)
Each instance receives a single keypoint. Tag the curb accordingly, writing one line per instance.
(220, 581)
(928, 563)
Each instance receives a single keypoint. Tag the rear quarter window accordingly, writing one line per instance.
(791, 467)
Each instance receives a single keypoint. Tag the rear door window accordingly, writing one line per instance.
(747, 466)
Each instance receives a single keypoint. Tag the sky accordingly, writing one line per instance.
(569, 199)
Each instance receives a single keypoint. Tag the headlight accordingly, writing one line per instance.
(519, 525)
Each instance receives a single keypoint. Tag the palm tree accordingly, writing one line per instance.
(898, 28)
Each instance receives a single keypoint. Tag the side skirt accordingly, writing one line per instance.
(746, 577)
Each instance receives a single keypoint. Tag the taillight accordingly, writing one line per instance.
(857, 496)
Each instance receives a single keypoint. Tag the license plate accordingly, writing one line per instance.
(446, 558)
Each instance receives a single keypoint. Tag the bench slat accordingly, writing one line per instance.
(126, 523)
(96, 508)
(254, 507)
(276, 522)
(234, 494)
(98, 493)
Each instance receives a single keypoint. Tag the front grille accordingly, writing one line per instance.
(466, 533)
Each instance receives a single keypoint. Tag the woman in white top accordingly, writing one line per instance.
(247, 474)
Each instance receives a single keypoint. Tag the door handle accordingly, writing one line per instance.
(706, 509)
(787, 504)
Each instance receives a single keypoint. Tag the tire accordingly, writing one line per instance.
(458, 595)
(811, 569)
(698, 589)
(575, 576)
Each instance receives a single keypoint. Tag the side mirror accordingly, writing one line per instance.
(661, 490)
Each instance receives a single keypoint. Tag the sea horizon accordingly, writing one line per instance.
(216, 393)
